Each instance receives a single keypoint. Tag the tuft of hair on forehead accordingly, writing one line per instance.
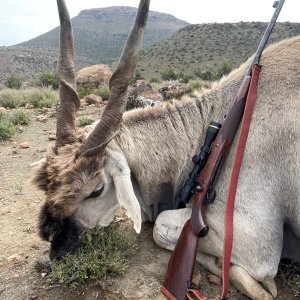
(64, 168)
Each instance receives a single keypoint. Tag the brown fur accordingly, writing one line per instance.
(66, 181)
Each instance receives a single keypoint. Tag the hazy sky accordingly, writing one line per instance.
(21, 20)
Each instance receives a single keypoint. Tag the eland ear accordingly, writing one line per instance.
(119, 171)
(127, 199)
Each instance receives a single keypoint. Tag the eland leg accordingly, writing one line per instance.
(241, 279)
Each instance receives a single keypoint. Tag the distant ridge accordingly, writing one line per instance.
(100, 33)
(99, 36)
(206, 46)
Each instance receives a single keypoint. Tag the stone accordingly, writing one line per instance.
(29, 106)
(93, 99)
(93, 76)
(144, 89)
(141, 94)
(42, 118)
(3, 109)
(24, 145)
(83, 102)
(16, 257)
(214, 279)
(174, 90)
(51, 137)
(197, 278)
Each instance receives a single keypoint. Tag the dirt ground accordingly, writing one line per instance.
(24, 257)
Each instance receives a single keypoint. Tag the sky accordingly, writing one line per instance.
(21, 20)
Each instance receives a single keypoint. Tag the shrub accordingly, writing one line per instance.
(39, 97)
(20, 117)
(195, 85)
(82, 92)
(48, 79)
(7, 129)
(205, 75)
(169, 74)
(10, 98)
(83, 121)
(103, 92)
(225, 68)
(135, 77)
(154, 80)
(184, 78)
(103, 252)
(13, 81)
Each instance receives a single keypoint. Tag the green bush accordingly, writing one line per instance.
(205, 75)
(195, 85)
(225, 68)
(13, 81)
(7, 129)
(48, 79)
(184, 78)
(82, 92)
(135, 77)
(103, 92)
(169, 74)
(38, 97)
(103, 252)
(10, 98)
(84, 121)
(154, 80)
(20, 117)
(43, 97)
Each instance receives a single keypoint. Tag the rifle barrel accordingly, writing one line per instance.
(278, 5)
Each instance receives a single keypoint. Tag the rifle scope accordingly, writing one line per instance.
(192, 185)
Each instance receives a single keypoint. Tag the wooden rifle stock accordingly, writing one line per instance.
(181, 264)
(178, 279)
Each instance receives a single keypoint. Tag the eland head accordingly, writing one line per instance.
(90, 173)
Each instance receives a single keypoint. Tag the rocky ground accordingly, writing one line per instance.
(24, 257)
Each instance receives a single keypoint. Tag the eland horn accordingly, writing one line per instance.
(69, 100)
(111, 119)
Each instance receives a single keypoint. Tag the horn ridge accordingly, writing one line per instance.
(111, 119)
(69, 100)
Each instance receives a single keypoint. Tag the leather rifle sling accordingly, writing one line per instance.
(235, 171)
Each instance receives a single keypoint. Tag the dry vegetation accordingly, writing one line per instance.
(202, 47)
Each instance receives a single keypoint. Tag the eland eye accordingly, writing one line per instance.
(97, 193)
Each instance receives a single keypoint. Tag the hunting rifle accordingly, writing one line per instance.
(218, 140)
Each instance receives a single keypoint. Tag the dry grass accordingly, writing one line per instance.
(289, 273)
(38, 97)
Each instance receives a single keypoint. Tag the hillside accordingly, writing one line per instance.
(206, 46)
(191, 48)
(99, 36)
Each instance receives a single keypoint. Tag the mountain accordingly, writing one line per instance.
(206, 46)
(99, 35)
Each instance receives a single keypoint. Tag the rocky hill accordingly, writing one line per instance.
(101, 33)
(206, 46)
(99, 36)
